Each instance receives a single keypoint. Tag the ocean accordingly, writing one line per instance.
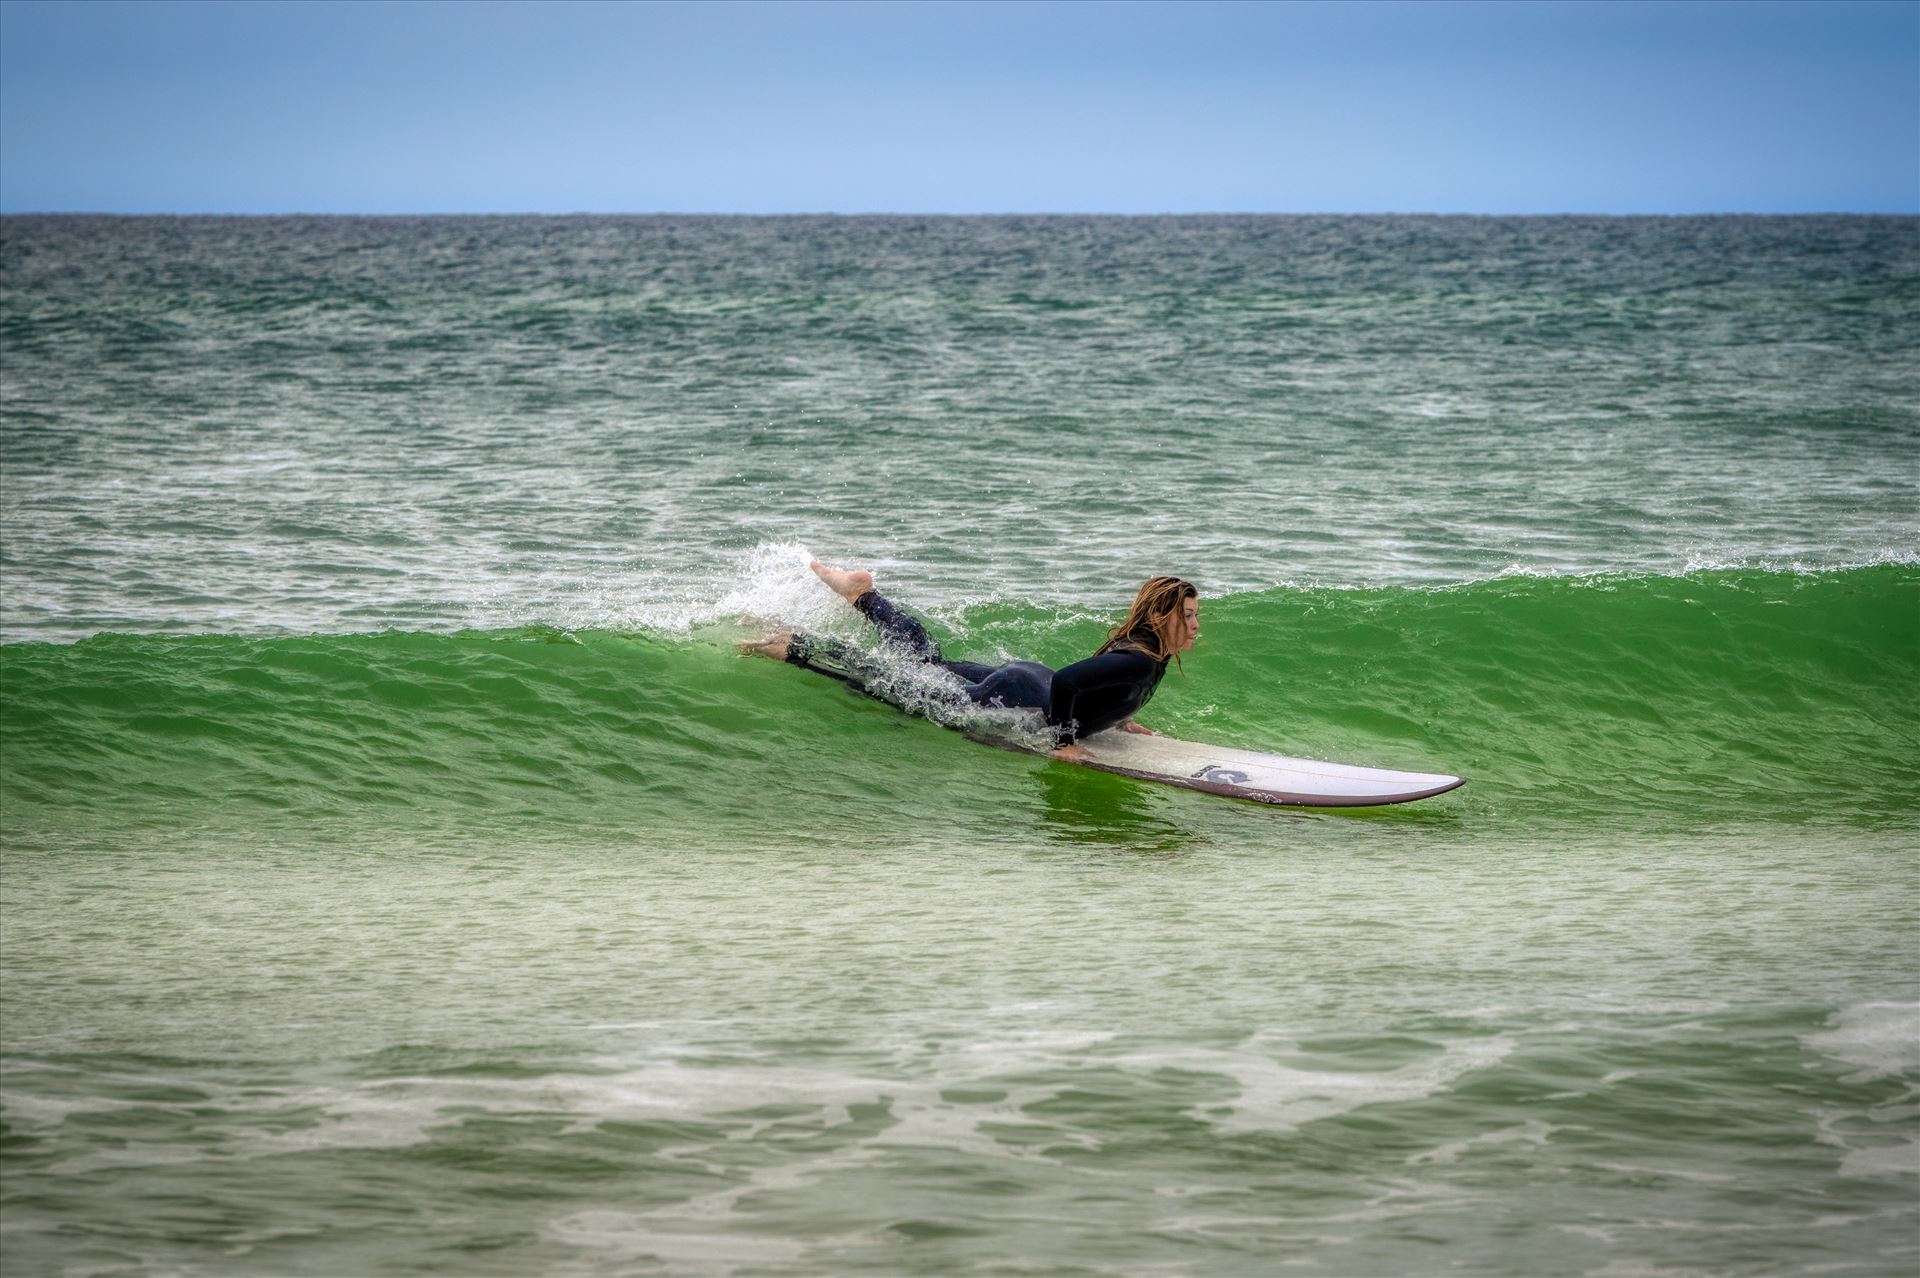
(403, 873)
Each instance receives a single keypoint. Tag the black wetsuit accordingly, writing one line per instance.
(1084, 698)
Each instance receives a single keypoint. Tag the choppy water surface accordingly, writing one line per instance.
(403, 874)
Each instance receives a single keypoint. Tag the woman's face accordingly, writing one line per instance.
(1190, 623)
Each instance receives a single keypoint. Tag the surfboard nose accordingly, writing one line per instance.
(1264, 778)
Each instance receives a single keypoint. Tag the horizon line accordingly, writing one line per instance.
(877, 213)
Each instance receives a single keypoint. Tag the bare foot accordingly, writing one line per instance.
(774, 646)
(848, 583)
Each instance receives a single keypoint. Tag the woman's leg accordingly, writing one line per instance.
(897, 627)
(815, 652)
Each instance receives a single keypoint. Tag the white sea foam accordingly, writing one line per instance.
(1014, 1077)
(28, 1110)
(1274, 1096)
(1534, 1132)
(770, 587)
(1683, 565)
(1868, 1149)
(627, 1237)
(145, 1154)
(1394, 1200)
(1883, 1160)
(1671, 1173)
(1786, 562)
(1879, 1039)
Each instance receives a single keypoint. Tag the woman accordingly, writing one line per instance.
(1086, 697)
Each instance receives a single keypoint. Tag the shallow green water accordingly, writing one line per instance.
(1133, 1037)
(403, 874)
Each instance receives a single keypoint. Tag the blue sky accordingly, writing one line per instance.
(262, 107)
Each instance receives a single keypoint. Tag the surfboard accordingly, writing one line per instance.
(1251, 774)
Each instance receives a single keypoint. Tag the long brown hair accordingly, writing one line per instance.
(1153, 624)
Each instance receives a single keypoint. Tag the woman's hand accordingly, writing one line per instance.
(1141, 728)
(1072, 754)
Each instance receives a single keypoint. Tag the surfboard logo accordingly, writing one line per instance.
(1224, 776)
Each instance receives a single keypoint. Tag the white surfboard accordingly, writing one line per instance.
(1251, 774)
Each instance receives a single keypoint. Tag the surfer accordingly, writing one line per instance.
(1086, 697)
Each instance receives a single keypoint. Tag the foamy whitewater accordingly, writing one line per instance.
(404, 873)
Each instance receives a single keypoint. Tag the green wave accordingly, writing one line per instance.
(1730, 694)
(1730, 691)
